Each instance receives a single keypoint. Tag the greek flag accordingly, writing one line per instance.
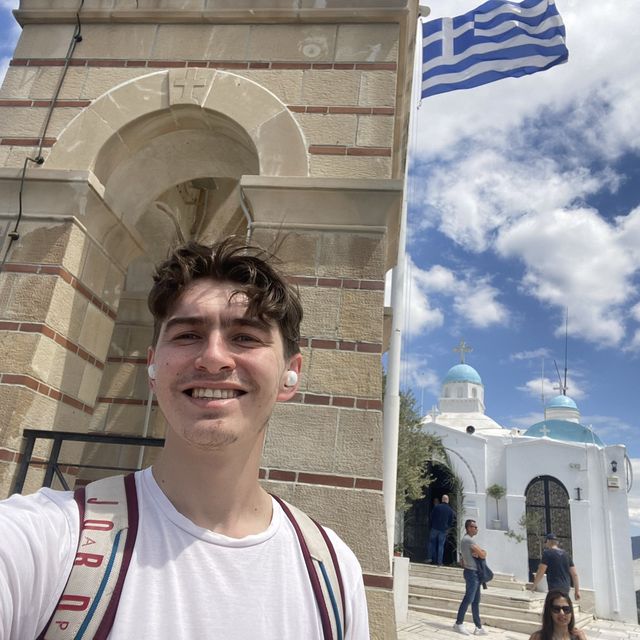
(497, 40)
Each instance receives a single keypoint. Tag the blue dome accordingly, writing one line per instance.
(563, 430)
(462, 373)
(561, 402)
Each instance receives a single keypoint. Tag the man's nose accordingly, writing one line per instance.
(216, 354)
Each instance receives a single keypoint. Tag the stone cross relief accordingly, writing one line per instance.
(188, 86)
(545, 431)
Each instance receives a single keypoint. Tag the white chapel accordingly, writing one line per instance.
(558, 476)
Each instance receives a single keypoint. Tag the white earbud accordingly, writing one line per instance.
(151, 370)
(291, 379)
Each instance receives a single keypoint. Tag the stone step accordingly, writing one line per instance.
(516, 600)
(444, 603)
(454, 574)
(493, 620)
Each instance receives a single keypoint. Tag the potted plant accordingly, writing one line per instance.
(497, 492)
(398, 549)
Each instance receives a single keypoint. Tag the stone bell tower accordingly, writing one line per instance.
(164, 120)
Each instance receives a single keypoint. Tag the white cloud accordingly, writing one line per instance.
(534, 388)
(474, 299)
(416, 374)
(536, 354)
(575, 259)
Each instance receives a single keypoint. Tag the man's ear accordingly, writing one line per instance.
(151, 368)
(290, 379)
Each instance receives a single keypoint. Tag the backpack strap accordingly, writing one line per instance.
(324, 571)
(108, 527)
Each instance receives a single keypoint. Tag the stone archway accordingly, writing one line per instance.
(547, 511)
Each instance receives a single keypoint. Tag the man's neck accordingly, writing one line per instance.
(215, 490)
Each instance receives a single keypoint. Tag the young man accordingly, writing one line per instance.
(215, 555)
(469, 551)
(558, 566)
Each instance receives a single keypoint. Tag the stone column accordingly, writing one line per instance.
(334, 239)
(59, 292)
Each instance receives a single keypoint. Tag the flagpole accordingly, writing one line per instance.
(392, 391)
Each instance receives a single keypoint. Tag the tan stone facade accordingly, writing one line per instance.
(196, 119)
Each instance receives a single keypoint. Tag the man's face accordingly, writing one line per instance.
(472, 529)
(218, 372)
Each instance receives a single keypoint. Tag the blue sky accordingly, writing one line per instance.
(525, 201)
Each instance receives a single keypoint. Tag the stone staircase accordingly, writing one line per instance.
(506, 604)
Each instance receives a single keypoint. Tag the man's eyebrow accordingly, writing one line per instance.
(226, 322)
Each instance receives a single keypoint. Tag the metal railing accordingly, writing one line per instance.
(53, 466)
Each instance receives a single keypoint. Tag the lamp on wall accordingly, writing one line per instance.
(578, 493)
(614, 466)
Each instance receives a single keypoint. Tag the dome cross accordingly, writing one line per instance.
(463, 348)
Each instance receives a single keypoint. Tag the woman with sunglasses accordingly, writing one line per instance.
(558, 620)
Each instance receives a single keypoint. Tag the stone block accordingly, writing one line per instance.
(26, 297)
(133, 309)
(284, 83)
(367, 43)
(89, 384)
(17, 352)
(75, 253)
(201, 42)
(4, 156)
(41, 242)
(113, 286)
(67, 310)
(95, 334)
(21, 122)
(116, 41)
(17, 154)
(321, 312)
(382, 619)
(297, 251)
(126, 419)
(119, 380)
(357, 516)
(361, 314)
(58, 367)
(375, 131)
(39, 83)
(312, 429)
(293, 43)
(44, 41)
(359, 443)
(345, 373)
(99, 418)
(377, 89)
(139, 341)
(95, 268)
(328, 129)
(326, 88)
(349, 167)
(352, 256)
(99, 80)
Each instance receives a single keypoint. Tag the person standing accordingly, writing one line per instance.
(558, 566)
(469, 551)
(442, 517)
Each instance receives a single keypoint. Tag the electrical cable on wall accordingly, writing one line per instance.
(14, 235)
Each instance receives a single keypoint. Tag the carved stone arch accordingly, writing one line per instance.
(158, 133)
(253, 110)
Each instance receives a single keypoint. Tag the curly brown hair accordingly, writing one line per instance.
(270, 297)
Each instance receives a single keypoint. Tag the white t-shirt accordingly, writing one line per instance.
(183, 581)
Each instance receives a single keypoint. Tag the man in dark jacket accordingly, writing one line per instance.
(442, 517)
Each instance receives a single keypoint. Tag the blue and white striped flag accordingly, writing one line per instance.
(497, 40)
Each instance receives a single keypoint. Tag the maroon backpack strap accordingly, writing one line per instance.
(108, 528)
(323, 569)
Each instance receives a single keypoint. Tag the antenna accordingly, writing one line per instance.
(561, 388)
(566, 344)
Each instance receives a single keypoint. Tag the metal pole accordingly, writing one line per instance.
(392, 392)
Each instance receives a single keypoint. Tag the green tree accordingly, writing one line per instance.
(415, 449)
